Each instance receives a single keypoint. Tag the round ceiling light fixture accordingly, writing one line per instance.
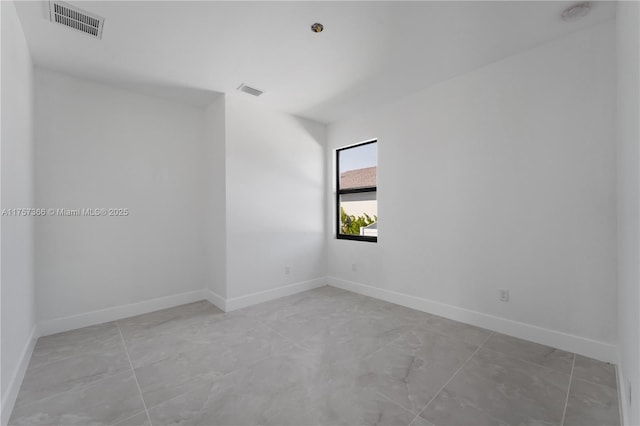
(576, 11)
(317, 27)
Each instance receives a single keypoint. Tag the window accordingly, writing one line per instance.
(356, 195)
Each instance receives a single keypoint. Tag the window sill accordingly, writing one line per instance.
(357, 238)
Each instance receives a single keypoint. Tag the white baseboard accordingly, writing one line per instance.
(59, 325)
(263, 296)
(572, 343)
(215, 299)
(73, 322)
(622, 395)
(9, 398)
(557, 339)
(100, 316)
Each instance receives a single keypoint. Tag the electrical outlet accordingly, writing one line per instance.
(354, 268)
(504, 295)
(287, 270)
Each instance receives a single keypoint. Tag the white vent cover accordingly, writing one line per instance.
(72, 17)
(250, 90)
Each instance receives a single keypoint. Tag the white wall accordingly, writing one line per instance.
(500, 178)
(16, 152)
(275, 198)
(102, 147)
(223, 198)
(215, 198)
(628, 141)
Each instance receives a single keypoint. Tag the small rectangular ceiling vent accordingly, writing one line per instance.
(72, 17)
(250, 90)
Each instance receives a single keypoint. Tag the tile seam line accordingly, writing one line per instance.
(215, 378)
(170, 327)
(121, 422)
(442, 333)
(386, 345)
(566, 400)
(396, 404)
(532, 363)
(301, 341)
(101, 341)
(452, 377)
(133, 371)
(293, 343)
(78, 389)
(615, 387)
(79, 355)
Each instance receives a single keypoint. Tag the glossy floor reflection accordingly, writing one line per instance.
(322, 357)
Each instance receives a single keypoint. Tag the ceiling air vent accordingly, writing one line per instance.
(250, 90)
(72, 17)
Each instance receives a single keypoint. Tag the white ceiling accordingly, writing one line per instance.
(370, 52)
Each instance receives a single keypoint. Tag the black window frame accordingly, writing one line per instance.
(340, 192)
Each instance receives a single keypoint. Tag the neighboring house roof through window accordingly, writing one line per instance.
(359, 178)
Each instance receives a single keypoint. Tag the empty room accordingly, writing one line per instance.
(420, 213)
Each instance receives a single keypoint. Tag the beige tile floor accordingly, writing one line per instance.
(323, 357)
